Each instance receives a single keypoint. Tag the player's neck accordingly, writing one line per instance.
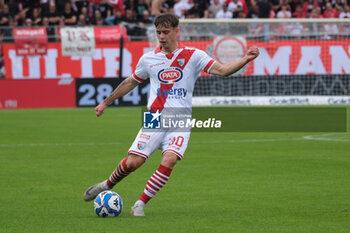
(170, 49)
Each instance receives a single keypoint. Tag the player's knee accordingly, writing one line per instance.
(169, 160)
(134, 162)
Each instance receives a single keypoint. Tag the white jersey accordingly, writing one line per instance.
(172, 76)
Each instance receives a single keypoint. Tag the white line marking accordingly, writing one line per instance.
(248, 140)
(62, 144)
(119, 143)
(328, 137)
(344, 137)
(318, 137)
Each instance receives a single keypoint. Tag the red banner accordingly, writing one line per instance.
(301, 57)
(109, 34)
(276, 58)
(30, 41)
(105, 62)
(37, 93)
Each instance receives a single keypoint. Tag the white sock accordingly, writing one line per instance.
(141, 203)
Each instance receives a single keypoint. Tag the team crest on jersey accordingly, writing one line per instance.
(141, 145)
(181, 61)
(170, 75)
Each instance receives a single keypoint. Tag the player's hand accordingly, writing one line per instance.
(100, 108)
(252, 53)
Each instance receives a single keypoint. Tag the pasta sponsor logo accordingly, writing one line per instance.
(170, 75)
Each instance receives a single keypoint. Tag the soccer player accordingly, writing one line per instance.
(159, 66)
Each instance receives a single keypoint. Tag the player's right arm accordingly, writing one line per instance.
(234, 66)
(123, 88)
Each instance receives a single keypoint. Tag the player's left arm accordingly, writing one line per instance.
(234, 66)
(123, 88)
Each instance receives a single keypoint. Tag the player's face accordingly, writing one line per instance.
(167, 37)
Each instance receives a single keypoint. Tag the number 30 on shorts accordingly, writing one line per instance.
(178, 141)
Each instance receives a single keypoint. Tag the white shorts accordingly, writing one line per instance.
(147, 142)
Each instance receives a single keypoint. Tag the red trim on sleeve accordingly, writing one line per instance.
(206, 69)
(140, 80)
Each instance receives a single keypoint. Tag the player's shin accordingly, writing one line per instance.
(155, 183)
(121, 171)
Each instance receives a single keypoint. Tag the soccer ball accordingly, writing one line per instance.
(108, 204)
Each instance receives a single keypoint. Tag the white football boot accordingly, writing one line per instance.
(137, 210)
(94, 190)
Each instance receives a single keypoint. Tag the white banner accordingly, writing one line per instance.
(270, 100)
(77, 41)
(228, 48)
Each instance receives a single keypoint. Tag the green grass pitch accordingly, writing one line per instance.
(227, 182)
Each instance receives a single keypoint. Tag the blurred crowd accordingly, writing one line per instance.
(137, 13)
(28, 13)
